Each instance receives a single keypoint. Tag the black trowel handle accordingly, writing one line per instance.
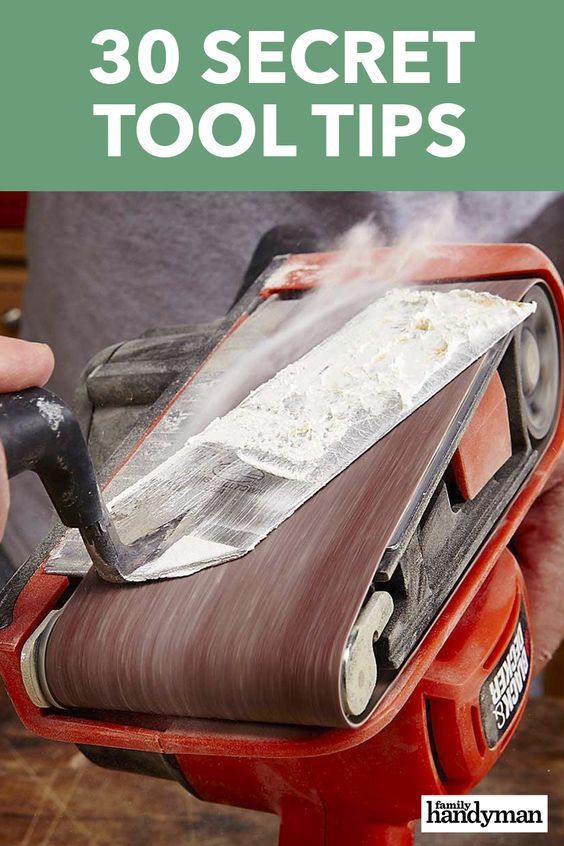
(40, 433)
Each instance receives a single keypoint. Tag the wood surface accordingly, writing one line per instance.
(554, 674)
(50, 795)
(13, 276)
(12, 245)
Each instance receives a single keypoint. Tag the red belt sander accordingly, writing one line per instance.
(334, 688)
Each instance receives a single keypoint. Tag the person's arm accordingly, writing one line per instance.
(540, 550)
(22, 365)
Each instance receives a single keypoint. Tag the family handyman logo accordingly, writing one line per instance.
(510, 813)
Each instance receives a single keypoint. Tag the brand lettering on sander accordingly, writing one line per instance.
(505, 687)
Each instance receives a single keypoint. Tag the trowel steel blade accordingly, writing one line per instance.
(229, 486)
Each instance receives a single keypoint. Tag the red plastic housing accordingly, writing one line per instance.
(347, 786)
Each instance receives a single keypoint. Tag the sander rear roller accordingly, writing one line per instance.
(315, 624)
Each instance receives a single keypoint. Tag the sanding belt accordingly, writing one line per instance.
(260, 638)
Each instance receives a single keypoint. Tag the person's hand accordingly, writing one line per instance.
(22, 365)
(540, 550)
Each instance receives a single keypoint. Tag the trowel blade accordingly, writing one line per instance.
(228, 487)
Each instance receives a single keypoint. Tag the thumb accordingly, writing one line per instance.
(23, 364)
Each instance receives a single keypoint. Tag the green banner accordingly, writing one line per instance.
(282, 96)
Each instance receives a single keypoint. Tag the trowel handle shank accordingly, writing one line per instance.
(40, 433)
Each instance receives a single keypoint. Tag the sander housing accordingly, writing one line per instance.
(400, 662)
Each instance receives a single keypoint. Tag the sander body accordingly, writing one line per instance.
(390, 659)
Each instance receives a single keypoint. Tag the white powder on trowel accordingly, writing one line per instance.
(379, 361)
(51, 412)
(228, 487)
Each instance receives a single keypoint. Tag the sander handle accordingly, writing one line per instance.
(39, 432)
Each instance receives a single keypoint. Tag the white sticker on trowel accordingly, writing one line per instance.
(249, 470)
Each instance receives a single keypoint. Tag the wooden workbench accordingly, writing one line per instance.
(50, 795)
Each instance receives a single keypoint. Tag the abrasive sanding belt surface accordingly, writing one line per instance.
(262, 638)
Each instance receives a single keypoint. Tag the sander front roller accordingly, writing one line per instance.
(387, 608)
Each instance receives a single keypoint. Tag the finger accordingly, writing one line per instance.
(24, 364)
(4, 492)
(540, 549)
